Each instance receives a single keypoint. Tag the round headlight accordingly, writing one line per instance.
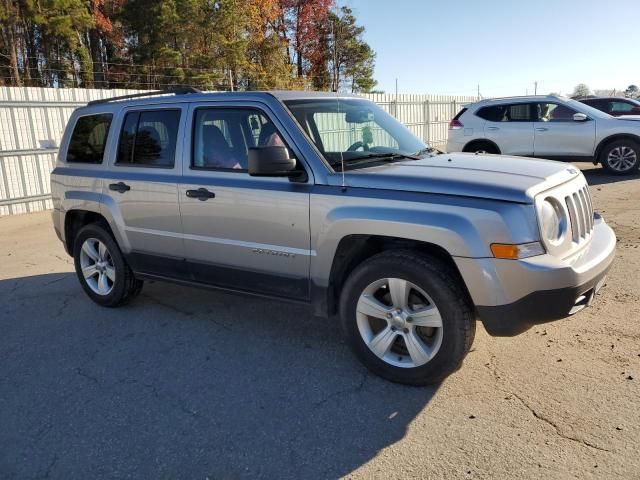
(552, 220)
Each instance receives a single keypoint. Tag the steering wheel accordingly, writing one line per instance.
(356, 146)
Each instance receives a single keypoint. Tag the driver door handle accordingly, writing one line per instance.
(119, 187)
(201, 194)
(541, 129)
(493, 128)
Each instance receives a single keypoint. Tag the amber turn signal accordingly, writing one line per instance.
(514, 252)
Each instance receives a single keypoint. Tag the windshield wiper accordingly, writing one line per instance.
(428, 150)
(383, 155)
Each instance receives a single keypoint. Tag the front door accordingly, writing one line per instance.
(241, 232)
(142, 185)
(558, 135)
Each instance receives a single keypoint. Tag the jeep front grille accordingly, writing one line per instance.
(581, 214)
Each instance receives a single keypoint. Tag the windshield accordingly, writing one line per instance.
(356, 130)
(588, 109)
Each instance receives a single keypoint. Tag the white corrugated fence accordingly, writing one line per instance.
(32, 121)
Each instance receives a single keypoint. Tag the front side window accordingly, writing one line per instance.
(89, 139)
(554, 112)
(222, 137)
(354, 131)
(149, 138)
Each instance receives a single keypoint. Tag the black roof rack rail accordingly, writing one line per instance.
(177, 91)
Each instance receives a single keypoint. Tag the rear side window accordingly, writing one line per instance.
(88, 139)
(519, 112)
(620, 107)
(148, 138)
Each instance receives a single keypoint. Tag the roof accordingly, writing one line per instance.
(523, 98)
(607, 98)
(192, 94)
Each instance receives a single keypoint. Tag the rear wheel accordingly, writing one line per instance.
(407, 317)
(481, 147)
(101, 268)
(621, 157)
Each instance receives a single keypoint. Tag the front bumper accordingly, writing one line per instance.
(512, 296)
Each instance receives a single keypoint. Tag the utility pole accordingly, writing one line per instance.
(478, 91)
(535, 87)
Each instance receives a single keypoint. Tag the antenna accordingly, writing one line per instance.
(336, 87)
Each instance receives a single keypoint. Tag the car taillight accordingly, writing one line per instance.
(455, 124)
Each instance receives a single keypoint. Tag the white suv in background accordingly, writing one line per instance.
(550, 127)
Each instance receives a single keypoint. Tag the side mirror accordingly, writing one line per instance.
(580, 117)
(271, 161)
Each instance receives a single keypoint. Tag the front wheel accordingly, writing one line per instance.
(407, 317)
(621, 157)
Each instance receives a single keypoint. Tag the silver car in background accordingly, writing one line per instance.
(550, 127)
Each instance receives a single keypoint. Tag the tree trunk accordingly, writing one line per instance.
(9, 34)
(95, 48)
(298, 40)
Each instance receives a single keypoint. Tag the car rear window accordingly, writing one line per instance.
(89, 138)
(460, 113)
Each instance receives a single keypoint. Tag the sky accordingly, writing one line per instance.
(449, 47)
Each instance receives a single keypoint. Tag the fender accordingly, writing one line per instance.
(613, 138)
(461, 230)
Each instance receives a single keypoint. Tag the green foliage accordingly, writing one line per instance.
(581, 90)
(351, 58)
(210, 44)
(632, 91)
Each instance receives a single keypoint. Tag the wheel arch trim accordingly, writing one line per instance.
(613, 138)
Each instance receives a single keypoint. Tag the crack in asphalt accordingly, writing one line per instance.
(559, 432)
(53, 462)
(186, 313)
(54, 280)
(493, 368)
(84, 374)
(63, 307)
(346, 391)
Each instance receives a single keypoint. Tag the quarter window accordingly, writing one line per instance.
(620, 107)
(148, 138)
(89, 139)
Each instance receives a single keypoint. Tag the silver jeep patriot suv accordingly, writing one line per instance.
(329, 201)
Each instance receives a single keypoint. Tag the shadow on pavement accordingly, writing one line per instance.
(183, 383)
(596, 175)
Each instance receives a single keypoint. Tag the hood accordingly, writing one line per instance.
(497, 177)
(629, 117)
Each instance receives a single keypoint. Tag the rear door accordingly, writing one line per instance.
(142, 187)
(558, 135)
(510, 127)
(242, 232)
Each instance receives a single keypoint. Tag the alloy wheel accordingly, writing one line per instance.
(399, 322)
(97, 266)
(622, 159)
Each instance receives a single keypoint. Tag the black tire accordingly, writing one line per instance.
(438, 281)
(125, 287)
(622, 146)
(481, 147)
